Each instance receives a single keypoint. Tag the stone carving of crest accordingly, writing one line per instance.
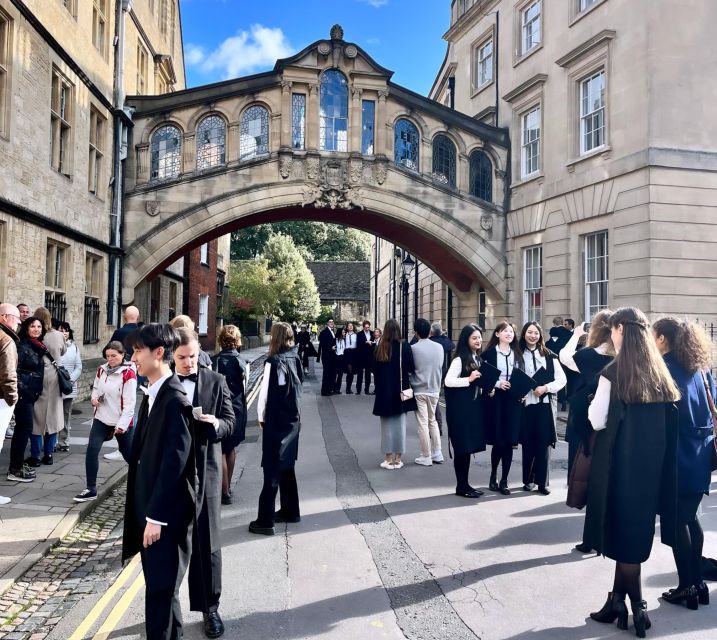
(355, 169)
(286, 162)
(151, 207)
(333, 191)
(351, 51)
(312, 168)
(380, 171)
(324, 48)
(486, 222)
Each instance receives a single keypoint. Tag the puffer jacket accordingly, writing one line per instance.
(30, 371)
(8, 365)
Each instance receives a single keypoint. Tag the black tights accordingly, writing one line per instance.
(627, 580)
(461, 465)
(501, 453)
(688, 553)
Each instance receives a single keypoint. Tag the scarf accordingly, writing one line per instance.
(111, 370)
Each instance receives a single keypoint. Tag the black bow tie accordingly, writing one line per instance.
(191, 377)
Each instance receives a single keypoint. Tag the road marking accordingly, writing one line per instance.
(118, 612)
(102, 603)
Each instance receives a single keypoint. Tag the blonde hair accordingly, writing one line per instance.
(600, 331)
(230, 337)
(182, 322)
(43, 315)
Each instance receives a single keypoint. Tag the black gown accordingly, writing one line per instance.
(502, 411)
(465, 417)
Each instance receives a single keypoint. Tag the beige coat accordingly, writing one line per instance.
(8, 366)
(47, 416)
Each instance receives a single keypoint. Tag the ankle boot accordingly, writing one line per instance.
(639, 617)
(703, 593)
(683, 595)
(614, 608)
(493, 484)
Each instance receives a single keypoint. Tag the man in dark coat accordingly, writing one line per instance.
(161, 483)
(131, 323)
(208, 392)
(327, 356)
(364, 356)
(441, 338)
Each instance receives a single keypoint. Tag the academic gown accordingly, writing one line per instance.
(231, 365)
(502, 411)
(465, 417)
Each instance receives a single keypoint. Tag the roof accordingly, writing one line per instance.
(342, 280)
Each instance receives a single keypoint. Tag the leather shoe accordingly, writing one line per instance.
(262, 531)
(226, 498)
(583, 548)
(213, 625)
(504, 490)
(544, 491)
(469, 493)
(528, 487)
(279, 517)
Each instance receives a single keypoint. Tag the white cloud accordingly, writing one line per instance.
(246, 52)
(375, 3)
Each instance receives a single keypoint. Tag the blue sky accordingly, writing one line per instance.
(229, 38)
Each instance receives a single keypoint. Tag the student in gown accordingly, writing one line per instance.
(464, 407)
(633, 476)
(688, 355)
(340, 361)
(350, 355)
(327, 356)
(540, 408)
(503, 411)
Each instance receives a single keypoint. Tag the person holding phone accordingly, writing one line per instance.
(114, 395)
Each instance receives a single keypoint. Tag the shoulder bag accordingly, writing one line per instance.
(713, 411)
(406, 394)
(63, 376)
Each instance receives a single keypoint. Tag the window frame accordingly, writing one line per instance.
(6, 50)
(298, 121)
(141, 86)
(471, 175)
(591, 309)
(487, 37)
(71, 7)
(178, 163)
(368, 123)
(337, 144)
(97, 140)
(522, 50)
(62, 112)
(584, 117)
(406, 162)
(215, 153)
(99, 18)
(529, 290)
(260, 150)
(577, 12)
(204, 254)
(57, 255)
(451, 157)
(203, 314)
(526, 175)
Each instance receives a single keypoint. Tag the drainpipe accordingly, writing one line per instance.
(452, 91)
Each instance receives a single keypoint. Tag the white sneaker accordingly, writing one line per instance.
(386, 465)
(424, 460)
(398, 465)
(437, 457)
(115, 455)
(5, 500)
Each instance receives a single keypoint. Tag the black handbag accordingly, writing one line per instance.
(63, 377)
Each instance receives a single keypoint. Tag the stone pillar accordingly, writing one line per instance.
(425, 161)
(142, 163)
(355, 121)
(382, 126)
(285, 141)
(462, 178)
(233, 142)
(189, 153)
(312, 118)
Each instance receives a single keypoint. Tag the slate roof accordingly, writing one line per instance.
(342, 280)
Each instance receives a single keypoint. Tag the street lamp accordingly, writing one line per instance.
(407, 266)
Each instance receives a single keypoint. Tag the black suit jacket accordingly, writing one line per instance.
(364, 349)
(162, 479)
(327, 340)
(211, 393)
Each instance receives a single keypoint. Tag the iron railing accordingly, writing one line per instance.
(91, 333)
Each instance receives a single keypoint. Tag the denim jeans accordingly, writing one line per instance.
(40, 444)
(92, 457)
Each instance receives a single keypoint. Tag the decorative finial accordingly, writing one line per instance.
(337, 32)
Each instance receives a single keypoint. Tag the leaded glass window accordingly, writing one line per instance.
(405, 144)
(481, 176)
(334, 112)
(298, 120)
(368, 118)
(444, 160)
(254, 133)
(211, 138)
(166, 153)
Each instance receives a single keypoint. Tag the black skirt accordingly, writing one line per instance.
(503, 419)
(465, 419)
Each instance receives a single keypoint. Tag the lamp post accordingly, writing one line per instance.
(407, 265)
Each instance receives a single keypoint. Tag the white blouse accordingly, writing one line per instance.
(599, 407)
(505, 364)
(567, 353)
(351, 341)
(340, 346)
(541, 361)
(453, 376)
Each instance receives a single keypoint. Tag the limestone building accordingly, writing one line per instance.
(613, 148)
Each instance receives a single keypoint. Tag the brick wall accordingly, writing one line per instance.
(201, 279)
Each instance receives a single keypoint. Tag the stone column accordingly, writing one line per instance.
(189, 153)
(355, 121)
(312, 118)
(382, 147)
(142, 163)
(285, 141)
(233, 142)
(462, 178)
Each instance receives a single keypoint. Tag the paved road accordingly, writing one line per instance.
(395, 554)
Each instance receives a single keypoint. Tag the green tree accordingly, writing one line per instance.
(251, 288)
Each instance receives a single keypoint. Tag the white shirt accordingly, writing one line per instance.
(351, 340)
(567, 353)
(599, 407)
(152, 396)
(505, 366)
(340, 346)
(453, 377)
(531, 367)
(189, 388)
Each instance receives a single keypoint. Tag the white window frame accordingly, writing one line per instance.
(203, 314)
(483, 73)
(584, 5)
(529, 27)
(528, 144)
(142, 69)
(588, 115)
(597, 283)
(532, 283)
(204, 253)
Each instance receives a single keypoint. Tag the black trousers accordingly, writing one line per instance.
(205, 566)
(164, 565)
(284, 482)
(536, 462)
(328, 378)
(21, 435)
(538, 430)
(363, 376)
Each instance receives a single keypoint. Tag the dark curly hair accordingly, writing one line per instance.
(688, 342)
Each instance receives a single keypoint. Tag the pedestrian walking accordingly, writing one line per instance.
(114, 395)
(540, 408)
(465, 411)
(182, 321)
(279, 414)
(688, 355)
(426, 384)
(131, 324)
(9, 319)
(213, 421)
(560, 333)
(161, 482)
(233, 367)
(327, 356)
(306, 348)
(633, 473)
(47, 415)
(364, 357)
(503, 411)
(446, 343)
(350, 357)
(393, 364)
(72, 361)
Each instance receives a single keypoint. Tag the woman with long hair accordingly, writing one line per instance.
(393, 361)
(340, 358)
(464, 407)
(634, 467)
(279, 417)
(72, 361)
(503, 413)
(688, 355)
(540, 408)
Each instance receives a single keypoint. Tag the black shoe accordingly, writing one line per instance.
(528, 487)
(327, 394)
(703, 593)
(469, 493)
(262, 531)
(583, 548)
(349, 392)
(493, 485)
(62, 448)
(226, 498)
(213, 625)
(358, 392)
(279, 517)
(682, 595)
(640, 618)
(47, 459)
(504, 487)
(613, 609)
(544, 491)
(33, 462)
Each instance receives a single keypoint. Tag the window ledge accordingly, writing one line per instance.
(524, 56)
(478, 90)
(604, 152)
(539, 178)
(581, 14)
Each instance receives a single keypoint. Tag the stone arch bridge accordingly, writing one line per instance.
(323, 136)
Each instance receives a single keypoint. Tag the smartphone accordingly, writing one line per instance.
(197, 412)
(586, 326)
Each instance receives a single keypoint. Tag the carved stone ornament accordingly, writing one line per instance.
(380, 172)
(355, 169)
(312, 168)
(333, 192)
(337, 32)
(351, 51)
(151, 207)
(486, 222)
(324, 48)
(286, 162)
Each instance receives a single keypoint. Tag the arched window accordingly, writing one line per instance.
(481, 176)
(165, 153)
(405, 144)
(444, 160)
(254, 133)
(211, 138)
(334, 112)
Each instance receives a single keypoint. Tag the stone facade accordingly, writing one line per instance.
(344, 286)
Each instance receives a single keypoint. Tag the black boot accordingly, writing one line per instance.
(493, 484)
(613, 609)
(703, 593)
(640, 618)
(682, 595)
